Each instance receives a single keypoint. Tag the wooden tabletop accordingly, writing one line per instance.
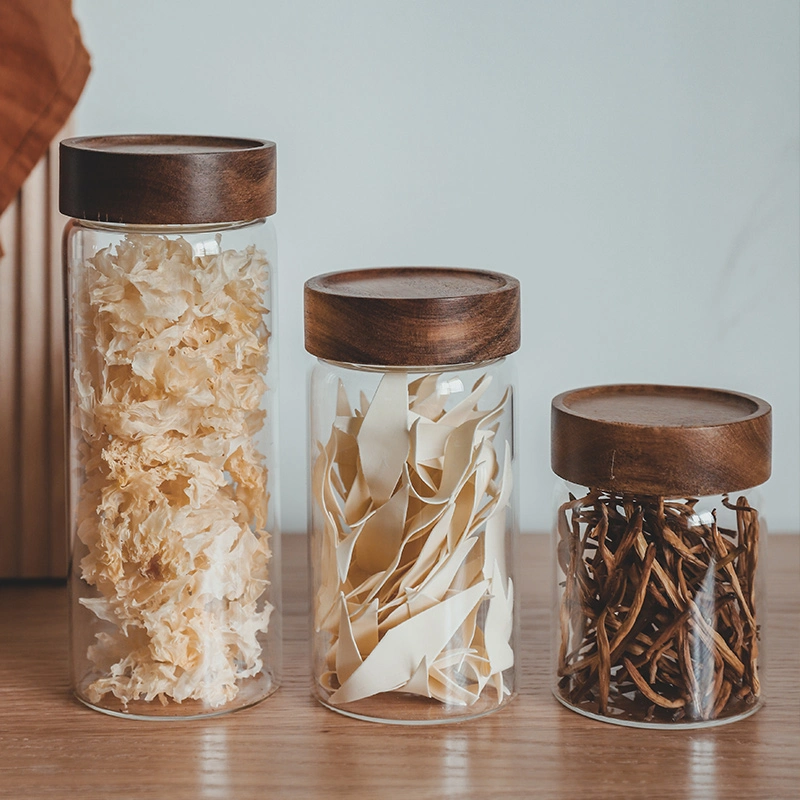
(53, 747)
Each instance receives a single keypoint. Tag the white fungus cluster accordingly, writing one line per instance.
(168, 379)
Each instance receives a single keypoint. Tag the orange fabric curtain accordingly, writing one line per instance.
(43, 69)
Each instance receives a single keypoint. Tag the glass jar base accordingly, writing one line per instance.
(408, 709)
(251, 693)
(660, 725)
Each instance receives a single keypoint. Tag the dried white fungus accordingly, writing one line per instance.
(168, 380)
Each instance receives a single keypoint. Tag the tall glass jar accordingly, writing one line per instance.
(412, 510)
(170, 289)
(659, 604)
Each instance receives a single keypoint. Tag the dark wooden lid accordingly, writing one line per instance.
(412, 316)
(166, 180)
(661, 440)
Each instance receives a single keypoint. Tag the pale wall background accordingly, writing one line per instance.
(634, 164)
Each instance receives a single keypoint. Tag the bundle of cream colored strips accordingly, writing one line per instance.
(415, 593)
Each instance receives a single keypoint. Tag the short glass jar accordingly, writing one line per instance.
(170, 288)
(413, 518)
(659, 600)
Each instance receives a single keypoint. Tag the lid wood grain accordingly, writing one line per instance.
(412, 316)
(167, 180)
(661, 440)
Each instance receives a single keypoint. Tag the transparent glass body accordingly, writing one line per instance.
(412, 539)
(658, 618)
(175, 568)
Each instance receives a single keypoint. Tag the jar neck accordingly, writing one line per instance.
(704, 498)
(417, 368)
(167, 230)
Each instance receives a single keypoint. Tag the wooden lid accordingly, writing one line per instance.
(661, 440)
(167, 180)
(412, 316)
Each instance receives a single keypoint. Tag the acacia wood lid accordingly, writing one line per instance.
(661, 440)
(149, 179)
(412, 316)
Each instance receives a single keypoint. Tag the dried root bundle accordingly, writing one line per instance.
(658, 610)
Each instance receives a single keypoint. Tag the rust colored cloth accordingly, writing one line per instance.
(43, 69)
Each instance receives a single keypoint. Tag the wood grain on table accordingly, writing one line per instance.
(53, 747)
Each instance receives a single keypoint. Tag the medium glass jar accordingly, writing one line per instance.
(659, 603)
(170, 288)
(412, 510)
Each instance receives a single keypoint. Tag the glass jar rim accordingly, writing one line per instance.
(176, 229)
(414, 368)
